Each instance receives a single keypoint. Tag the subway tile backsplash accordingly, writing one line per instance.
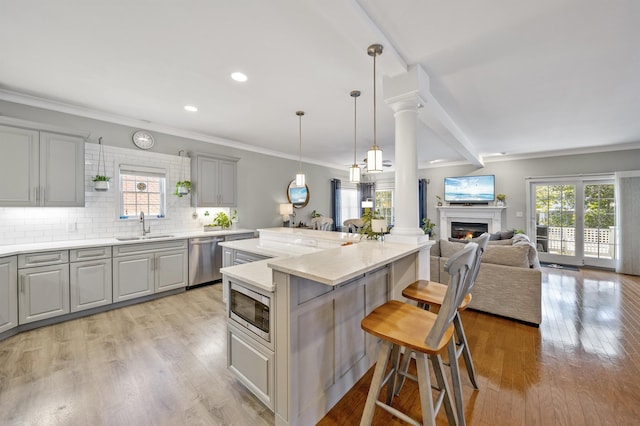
(99, 217)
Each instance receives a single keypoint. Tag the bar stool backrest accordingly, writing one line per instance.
(482, 242)
(458, 266)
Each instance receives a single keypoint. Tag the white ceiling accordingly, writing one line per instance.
(525, 78)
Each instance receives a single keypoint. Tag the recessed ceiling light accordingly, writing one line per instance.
(190, 108)
(238, 76)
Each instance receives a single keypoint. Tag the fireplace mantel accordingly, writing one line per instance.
(491, 215)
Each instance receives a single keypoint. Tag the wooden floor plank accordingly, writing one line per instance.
(164, 363)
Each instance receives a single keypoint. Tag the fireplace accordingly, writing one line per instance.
(462, 230)
(489, 216)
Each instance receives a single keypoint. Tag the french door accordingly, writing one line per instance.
(573, 220)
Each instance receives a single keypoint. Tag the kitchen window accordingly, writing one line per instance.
(142, 189)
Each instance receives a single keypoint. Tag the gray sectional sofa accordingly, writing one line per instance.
(509, 281)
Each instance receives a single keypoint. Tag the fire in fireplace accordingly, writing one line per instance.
(463, 230)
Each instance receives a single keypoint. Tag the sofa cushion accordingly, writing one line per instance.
(507, 255)
(435, 249)
(501, 242)
(449, 248)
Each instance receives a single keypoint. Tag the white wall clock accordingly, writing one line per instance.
(143, 140)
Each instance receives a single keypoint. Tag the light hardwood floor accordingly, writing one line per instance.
(164, 363)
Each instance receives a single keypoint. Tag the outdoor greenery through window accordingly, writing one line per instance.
(142, 189)
(556, 219)
(384, 205)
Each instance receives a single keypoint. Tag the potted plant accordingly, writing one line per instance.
(373, 223)
(101, 183)
(183, 187)
(224, 221)
(500, 199)
(427, 227)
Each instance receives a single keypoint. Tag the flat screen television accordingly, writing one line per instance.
(469, 189)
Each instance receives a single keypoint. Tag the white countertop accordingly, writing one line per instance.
(10, 250)
(258, 273)
(337, 265)
(254, 273)
(269, 248)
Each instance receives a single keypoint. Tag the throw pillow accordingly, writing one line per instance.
(505, 235)
(495, 236)
(507, 255)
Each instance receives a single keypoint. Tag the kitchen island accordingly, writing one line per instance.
(317, 302)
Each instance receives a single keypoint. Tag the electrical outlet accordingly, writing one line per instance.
(519, 214)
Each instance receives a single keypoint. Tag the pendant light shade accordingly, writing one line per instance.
(300, 178)
(374, 155)
(354, 170)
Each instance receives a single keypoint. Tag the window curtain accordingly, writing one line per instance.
(422, 200)
(336, 204)
(627, 230)
(367, 191)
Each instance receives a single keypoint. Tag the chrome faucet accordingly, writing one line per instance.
(146, 230)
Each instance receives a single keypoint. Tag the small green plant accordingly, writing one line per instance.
(501, 197)
(182, 188)
(223, 220)
(366, 230)
(315, 214)
(427, 226)
(100, 178)
(518, 231)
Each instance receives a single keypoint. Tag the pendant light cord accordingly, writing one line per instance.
(300, 114)
(374, 102)
(101, 158)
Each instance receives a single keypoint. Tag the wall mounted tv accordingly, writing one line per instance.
(469, 189)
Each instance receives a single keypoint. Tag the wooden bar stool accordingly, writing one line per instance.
(425, 334)
(430, 294)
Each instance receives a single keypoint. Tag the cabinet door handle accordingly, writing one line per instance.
(22, 284)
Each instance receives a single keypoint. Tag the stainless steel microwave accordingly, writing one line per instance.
(250, 310)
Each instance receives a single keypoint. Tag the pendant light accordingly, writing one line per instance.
(374, 155)
(354, 170)
(300, 179)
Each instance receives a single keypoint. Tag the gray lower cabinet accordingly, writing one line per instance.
(90, 278)
(44, 290)
(8, 293)
(144, 269)
(252, 363)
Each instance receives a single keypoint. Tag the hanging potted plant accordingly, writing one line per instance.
(183, 186)
(101, 182)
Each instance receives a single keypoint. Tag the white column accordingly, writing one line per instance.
(403, 94)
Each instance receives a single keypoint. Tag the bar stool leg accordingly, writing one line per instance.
(374, 389)
(456, 382)
(391, 384)
(466, 353)
(424, 387)
(402, 370)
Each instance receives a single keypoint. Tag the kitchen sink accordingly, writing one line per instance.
(146, 237)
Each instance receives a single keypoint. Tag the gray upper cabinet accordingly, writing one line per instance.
(40, 169)
(61, 170)
(214, 179)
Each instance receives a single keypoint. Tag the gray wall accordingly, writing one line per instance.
(262, 179)
(511, 175)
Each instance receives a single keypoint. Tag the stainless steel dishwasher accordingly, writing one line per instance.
(205, 260)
